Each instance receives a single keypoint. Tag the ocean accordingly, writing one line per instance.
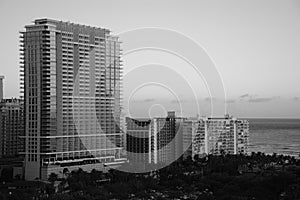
(281, 136)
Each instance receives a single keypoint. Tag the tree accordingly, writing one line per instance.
(52, 177)
(7, 174)
(196, 157)
(66, 172)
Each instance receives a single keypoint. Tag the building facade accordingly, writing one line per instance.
(158, 140)
(1, 87)
(224, 135)
(138, 140)
(11, 128)
(167, 137)
(164, 140)
(188, 134)
(71, 90)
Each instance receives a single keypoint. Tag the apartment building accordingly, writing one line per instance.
(157, 140)
(72, 75)
(221, 135)
(11, 128)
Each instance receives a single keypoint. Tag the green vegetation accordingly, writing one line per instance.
(231, 177)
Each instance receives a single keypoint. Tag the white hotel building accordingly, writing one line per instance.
(218, 135)
(71, 81)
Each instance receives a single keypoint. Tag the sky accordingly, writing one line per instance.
(253, 46)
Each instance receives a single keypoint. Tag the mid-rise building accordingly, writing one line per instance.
(138, 140)
(1, 87)
(157, 140)
(164, 140)
(221, 135)
(167, 145)
(72, 80)
(11, 128)
(188, 134)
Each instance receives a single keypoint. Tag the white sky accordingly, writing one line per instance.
(254, 44)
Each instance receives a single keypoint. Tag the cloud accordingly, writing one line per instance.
(296, 99)
(209, 99)
(178, 101)
(148, 100)
(259, 100)
(144, 100)
(245, 96)
(230, 101)
(256, 99)
(262, 99)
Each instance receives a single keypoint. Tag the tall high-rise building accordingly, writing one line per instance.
(11, 128)
(219, 135)
(1, 87)
(72, 80)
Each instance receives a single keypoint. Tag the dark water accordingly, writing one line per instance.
(281, 136)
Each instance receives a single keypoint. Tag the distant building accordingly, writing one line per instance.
(188, 133)
(221, 135)
(164, 140)
(157, 140)
(72, 80)
(11, 128)
(138, 140)
(167, 138)
(1, 87)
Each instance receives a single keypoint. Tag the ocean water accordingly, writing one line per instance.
(281, 136)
